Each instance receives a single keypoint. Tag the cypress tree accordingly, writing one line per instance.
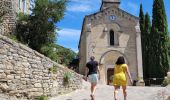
(142, 25)
(159, 34)
(147, 30)
(142, 18)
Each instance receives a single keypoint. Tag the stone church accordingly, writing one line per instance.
(108, 34)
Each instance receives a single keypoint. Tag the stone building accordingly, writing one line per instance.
(108, 34)
(7, 17)
(22, 6)
(8, 11)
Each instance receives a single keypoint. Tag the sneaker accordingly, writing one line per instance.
(92, 97)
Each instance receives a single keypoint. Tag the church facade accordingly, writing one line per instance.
(108, 34)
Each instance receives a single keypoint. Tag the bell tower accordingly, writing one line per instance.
(109, 3)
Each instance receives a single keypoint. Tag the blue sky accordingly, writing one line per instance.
(70, 26)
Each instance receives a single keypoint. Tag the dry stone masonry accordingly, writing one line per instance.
(8, 17)
(25, 73)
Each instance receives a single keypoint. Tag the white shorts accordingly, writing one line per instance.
(93, 78)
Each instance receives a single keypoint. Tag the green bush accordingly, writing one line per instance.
(53, 69)
(58, 53)
(67, 78)
(13, 37)
(43, 98)
(22, 28)
(166, 82)
(49, 51)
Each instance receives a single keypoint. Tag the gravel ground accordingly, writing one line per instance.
(104, 92)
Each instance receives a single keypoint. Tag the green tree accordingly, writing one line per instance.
(22, 28)
(58, 53)
(44, 16)
(38, 30)
(159, 34)
(142, 26)
(168, 46)
(65, 55)
(142, 19)
(147, 42)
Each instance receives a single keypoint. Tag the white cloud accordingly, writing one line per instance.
(86, 1)
(67, 32)
(69, 38)
(132, 6)
(81, 1)
(83, 5)
(79, 8)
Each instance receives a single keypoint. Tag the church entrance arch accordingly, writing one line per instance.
(107, 61)
(110, 72)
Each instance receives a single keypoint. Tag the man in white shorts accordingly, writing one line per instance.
(92, 72)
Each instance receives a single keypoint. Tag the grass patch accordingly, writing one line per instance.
(43, 98)
(53, 69)
(67, 78)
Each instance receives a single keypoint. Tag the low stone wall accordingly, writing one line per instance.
(25, 72)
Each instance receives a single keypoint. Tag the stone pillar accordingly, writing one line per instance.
(102, 74)
(139, 56)
(89, 51)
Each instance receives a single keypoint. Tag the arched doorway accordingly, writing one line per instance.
(108, 59)
(110, 72)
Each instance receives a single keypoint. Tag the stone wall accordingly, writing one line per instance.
(8, 17)
(25, 72)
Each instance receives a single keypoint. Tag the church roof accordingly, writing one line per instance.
(131, 15)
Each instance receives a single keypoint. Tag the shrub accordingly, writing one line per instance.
(13, 37)
(49, 51)
(43, 98)
(53, 69)
(67, 78)
(166, 80)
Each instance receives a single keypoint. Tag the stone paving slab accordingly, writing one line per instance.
(104, 92)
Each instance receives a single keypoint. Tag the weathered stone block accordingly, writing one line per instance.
(45, 85)
(37, 85)
(2, 66)
(3, 76)
(10, 77)
(1, 71)
(17, 77)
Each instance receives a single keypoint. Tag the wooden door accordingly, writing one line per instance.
(110, 72)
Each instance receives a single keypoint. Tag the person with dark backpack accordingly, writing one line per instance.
(92, 72)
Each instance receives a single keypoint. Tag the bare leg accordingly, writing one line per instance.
(115, 92)
(93, 89)
(124, 92)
